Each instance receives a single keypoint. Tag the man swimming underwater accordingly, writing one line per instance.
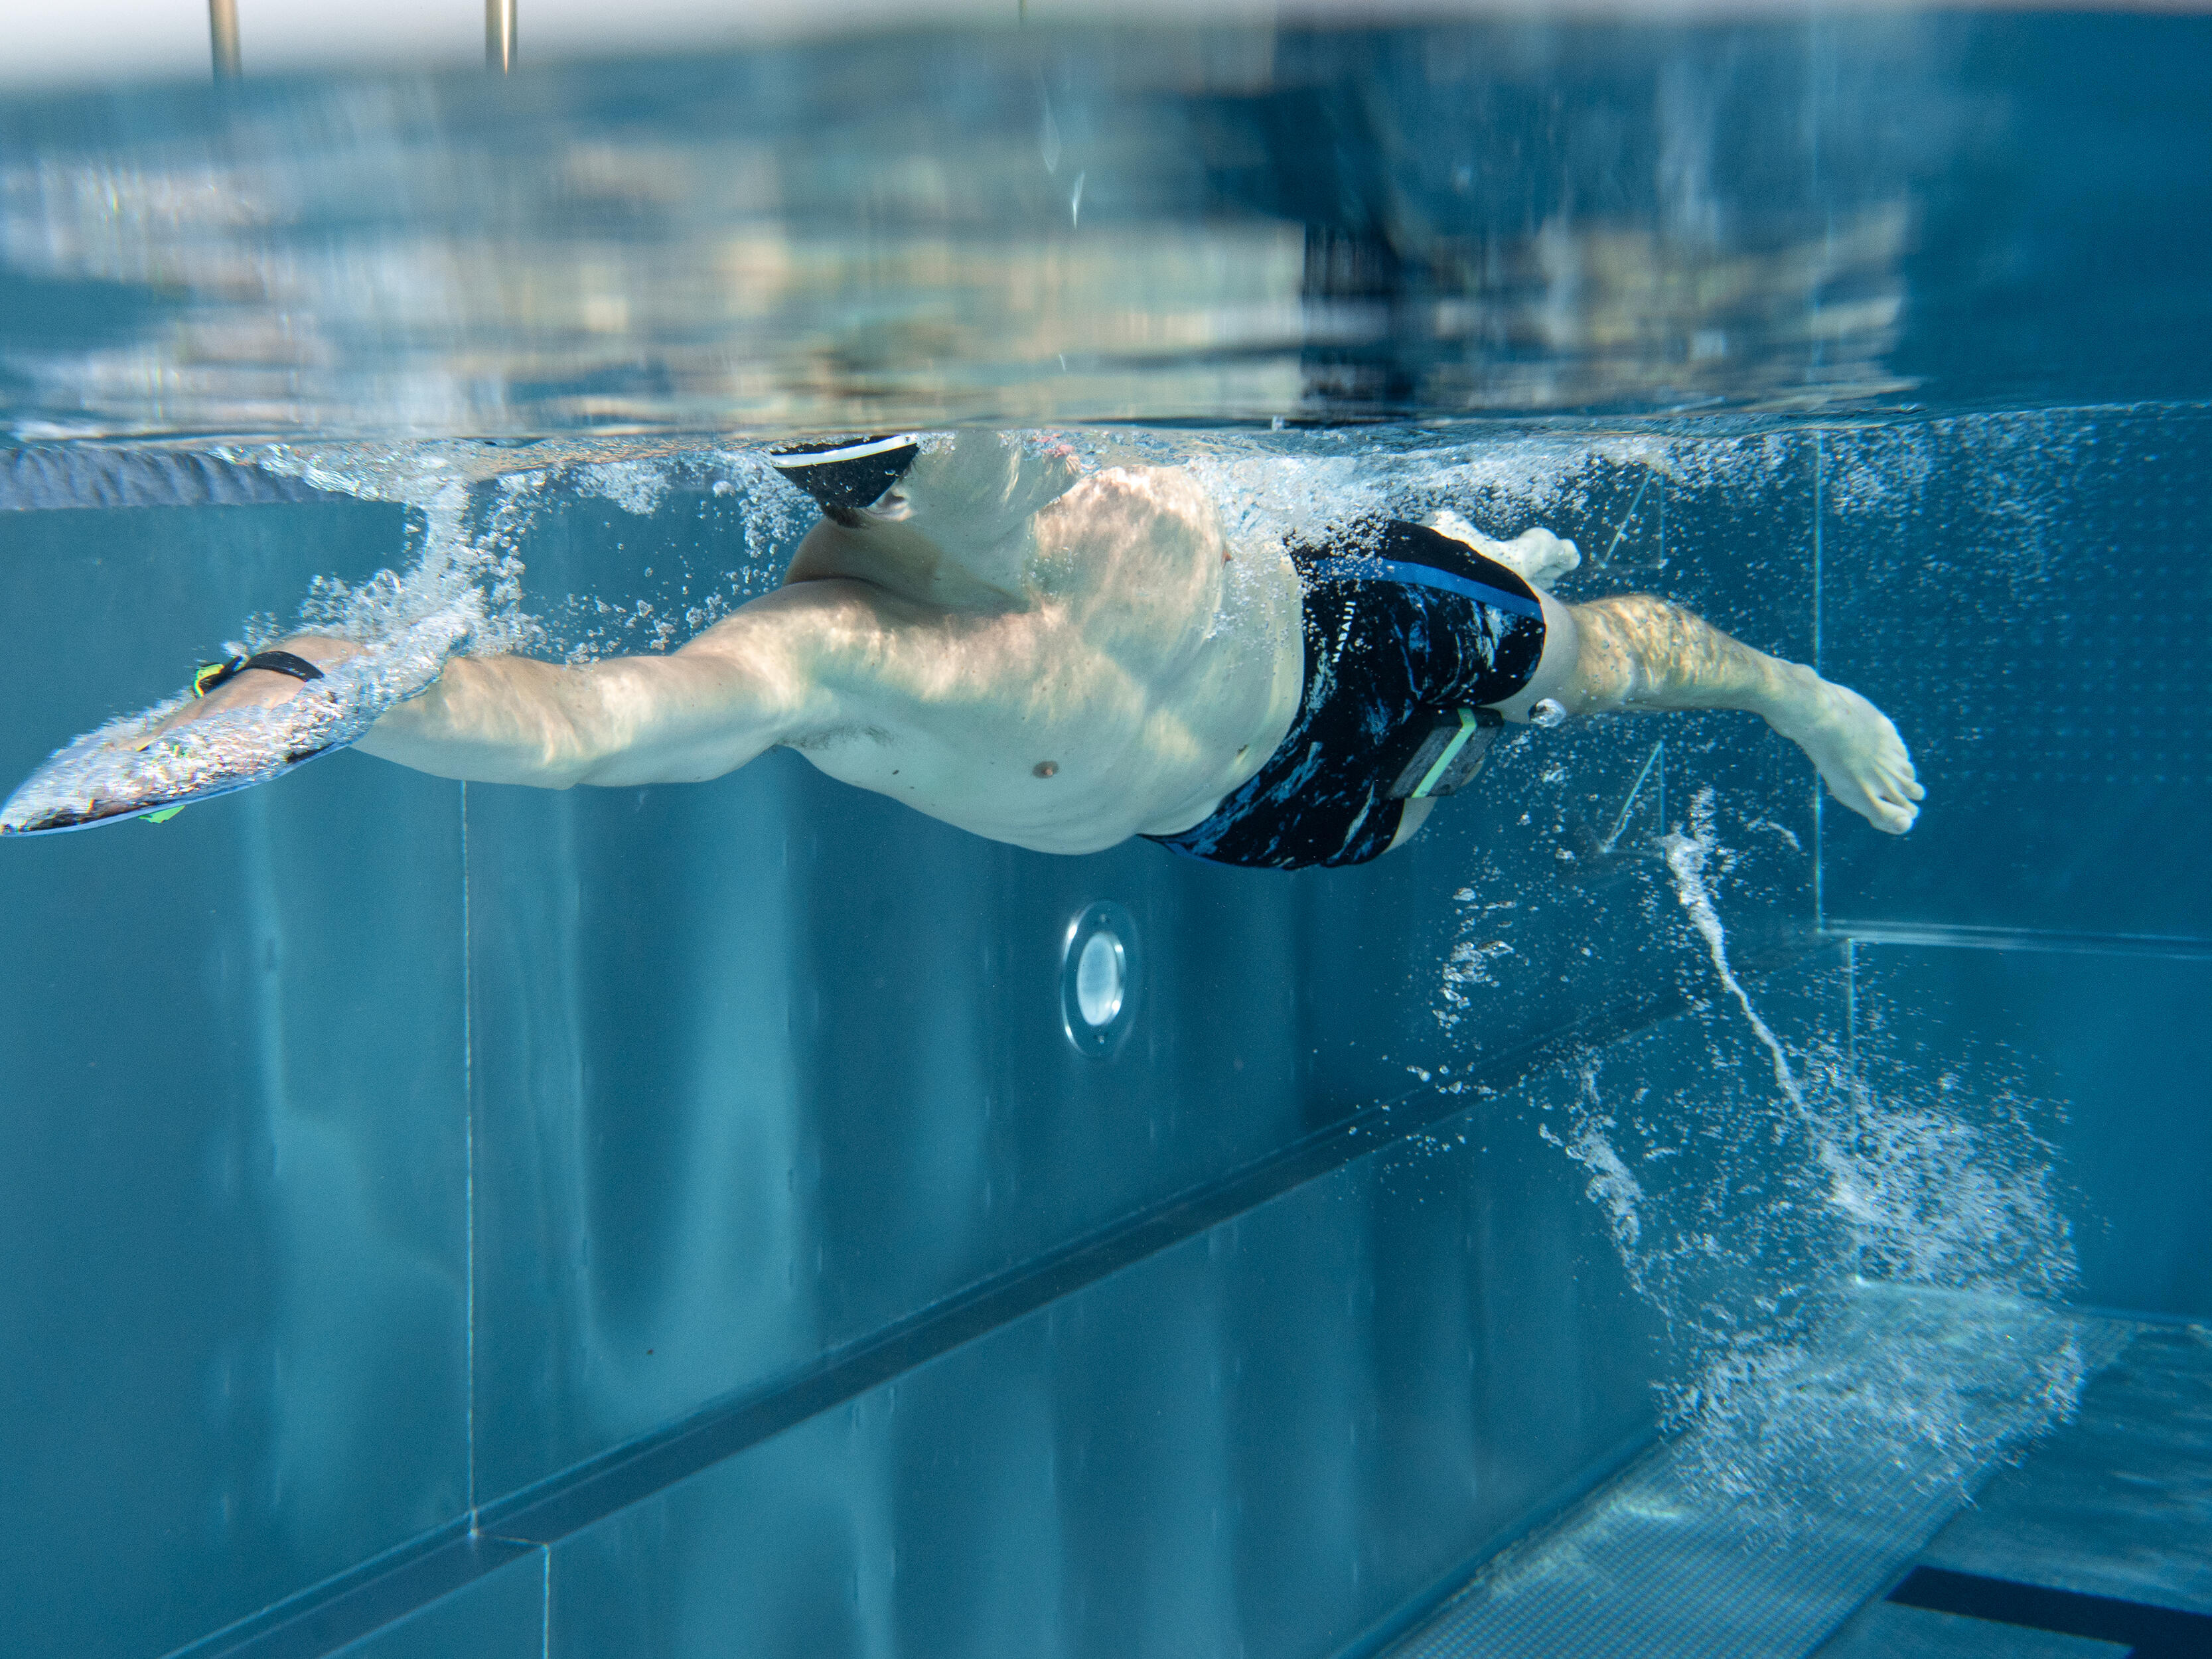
(1063, 660)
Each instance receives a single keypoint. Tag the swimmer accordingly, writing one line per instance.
(1063, 660)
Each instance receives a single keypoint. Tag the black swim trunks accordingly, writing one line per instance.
(1404, 630)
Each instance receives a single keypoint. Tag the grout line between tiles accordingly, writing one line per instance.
(1820, 795)
(468, 1165)
(2051, 940)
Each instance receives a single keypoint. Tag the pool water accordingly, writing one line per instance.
(751, 1217)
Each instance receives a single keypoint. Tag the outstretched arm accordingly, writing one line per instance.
(625, 720)
(1633, 652)
(753, 680)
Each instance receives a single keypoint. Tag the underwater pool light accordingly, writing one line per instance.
(1098, 978)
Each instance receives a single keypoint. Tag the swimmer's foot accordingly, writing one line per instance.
(1537, 556)
(1865, 762)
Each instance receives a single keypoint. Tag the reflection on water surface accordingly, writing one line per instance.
(1059, 225)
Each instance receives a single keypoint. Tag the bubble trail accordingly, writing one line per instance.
(1855, 1191)
(1685, 860)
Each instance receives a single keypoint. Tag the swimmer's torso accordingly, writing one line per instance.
(1109, 666)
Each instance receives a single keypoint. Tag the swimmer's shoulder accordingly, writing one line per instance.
(1127, 532)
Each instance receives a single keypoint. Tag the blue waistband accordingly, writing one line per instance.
(1356, 568)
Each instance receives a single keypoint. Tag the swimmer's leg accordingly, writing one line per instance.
(1631, 651)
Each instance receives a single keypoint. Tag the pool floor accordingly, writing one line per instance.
(2096, 1539)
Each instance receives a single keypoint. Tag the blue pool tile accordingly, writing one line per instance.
(232, 1174)
(2110, 1054)
(2027, 594)
(501, 1615)
(1268, 1436)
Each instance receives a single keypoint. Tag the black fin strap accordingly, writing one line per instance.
(210, 675)
(283, 662)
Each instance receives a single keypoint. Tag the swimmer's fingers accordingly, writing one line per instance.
(1892, 808)
(1537, 538)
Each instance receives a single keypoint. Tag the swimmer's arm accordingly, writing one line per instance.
(626, 719)
(1633, 652)
(749, 682)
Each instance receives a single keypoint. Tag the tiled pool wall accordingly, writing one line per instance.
(382, 1154)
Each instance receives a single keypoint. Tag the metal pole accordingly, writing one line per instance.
(499, 34)
(223, 38)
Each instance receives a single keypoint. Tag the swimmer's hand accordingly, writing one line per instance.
(1860, 755)
(254, 727)
(258, 687)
